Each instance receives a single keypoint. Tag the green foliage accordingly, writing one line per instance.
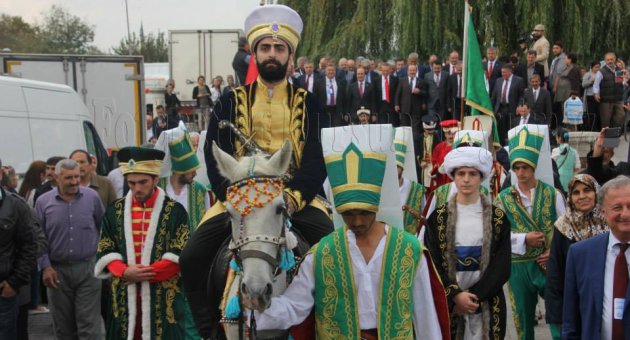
(153, 47)
(59, 32)
(388, 28)
(63, 32)
(18, 36)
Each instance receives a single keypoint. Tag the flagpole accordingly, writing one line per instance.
(467, 10)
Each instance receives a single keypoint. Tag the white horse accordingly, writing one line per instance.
(261, 241)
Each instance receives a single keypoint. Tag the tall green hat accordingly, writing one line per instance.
(183, 156)
(356, 178)
(525, 147)
(400, 148)
(469, 138)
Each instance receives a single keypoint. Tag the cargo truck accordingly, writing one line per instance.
(112, 88)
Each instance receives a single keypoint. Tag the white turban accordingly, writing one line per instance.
(468, 156)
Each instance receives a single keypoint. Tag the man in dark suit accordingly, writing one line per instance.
(426, 67)
(331, 93)
(300, 65)
(451, 66)
(360, 94)
(400, 68)
(350, 75)
(309, 78)
(508, 91)
(527, 70)
(524, 115)
(596, 277)
(538, 99)
(436, 81)
(409, 101)
(386, 86)
(492, 67)
(454, 93)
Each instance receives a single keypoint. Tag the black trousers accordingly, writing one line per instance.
(197, 257)
(335, 118)
(504, 119)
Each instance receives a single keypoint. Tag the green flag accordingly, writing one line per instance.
(476, 92)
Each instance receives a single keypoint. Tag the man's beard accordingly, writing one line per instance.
(272, 70)
(184, 180)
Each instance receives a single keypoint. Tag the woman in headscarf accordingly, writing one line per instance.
(580, 221)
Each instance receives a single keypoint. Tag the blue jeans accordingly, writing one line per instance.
(8, 317)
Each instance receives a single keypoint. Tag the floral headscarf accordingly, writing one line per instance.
(576, 225)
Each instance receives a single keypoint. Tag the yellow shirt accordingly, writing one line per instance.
(271, 116)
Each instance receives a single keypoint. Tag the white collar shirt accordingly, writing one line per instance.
(295, 304)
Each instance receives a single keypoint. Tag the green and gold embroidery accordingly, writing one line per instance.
(336, 307)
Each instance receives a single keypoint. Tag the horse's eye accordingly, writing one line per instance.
(280, 209)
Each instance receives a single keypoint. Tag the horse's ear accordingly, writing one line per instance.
(225, 163)
(282, 158)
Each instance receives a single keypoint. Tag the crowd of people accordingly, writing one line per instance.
(134, 250)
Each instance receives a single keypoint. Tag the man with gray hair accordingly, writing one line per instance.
(17, 257)
(70, 216)
(596, 277)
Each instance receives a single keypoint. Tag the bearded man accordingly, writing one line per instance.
(266, 112)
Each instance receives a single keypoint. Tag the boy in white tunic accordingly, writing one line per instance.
(469, 239)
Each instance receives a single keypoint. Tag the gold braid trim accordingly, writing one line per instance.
(171, 291)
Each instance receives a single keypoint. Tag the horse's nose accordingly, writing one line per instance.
(268, 289)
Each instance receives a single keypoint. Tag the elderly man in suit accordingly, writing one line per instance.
(409, 97)
(386, 86)
(307, 80)
(436, 81)
(454, 94)
(331, 93)
(538, 99)
(360, 94)
(596, 277)
(492, 66)
(508, 91)
(410, 101)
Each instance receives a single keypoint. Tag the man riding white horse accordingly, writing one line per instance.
(258, 117)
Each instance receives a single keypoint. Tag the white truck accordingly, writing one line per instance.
(39, 120)
(112, 88)
(207, 52)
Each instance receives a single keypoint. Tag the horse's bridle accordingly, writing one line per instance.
(238, 241)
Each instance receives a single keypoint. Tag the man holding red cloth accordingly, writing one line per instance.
(142, 236)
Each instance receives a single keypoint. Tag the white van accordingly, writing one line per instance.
(39, 120)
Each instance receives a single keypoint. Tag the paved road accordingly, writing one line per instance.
(40, 327)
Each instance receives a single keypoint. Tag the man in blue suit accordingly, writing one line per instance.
(596, 283)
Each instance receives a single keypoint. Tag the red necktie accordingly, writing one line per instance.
(387, 89)
(308, 79)
(361, 89)
(490, 66)
(504, 94)
(620, 286)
